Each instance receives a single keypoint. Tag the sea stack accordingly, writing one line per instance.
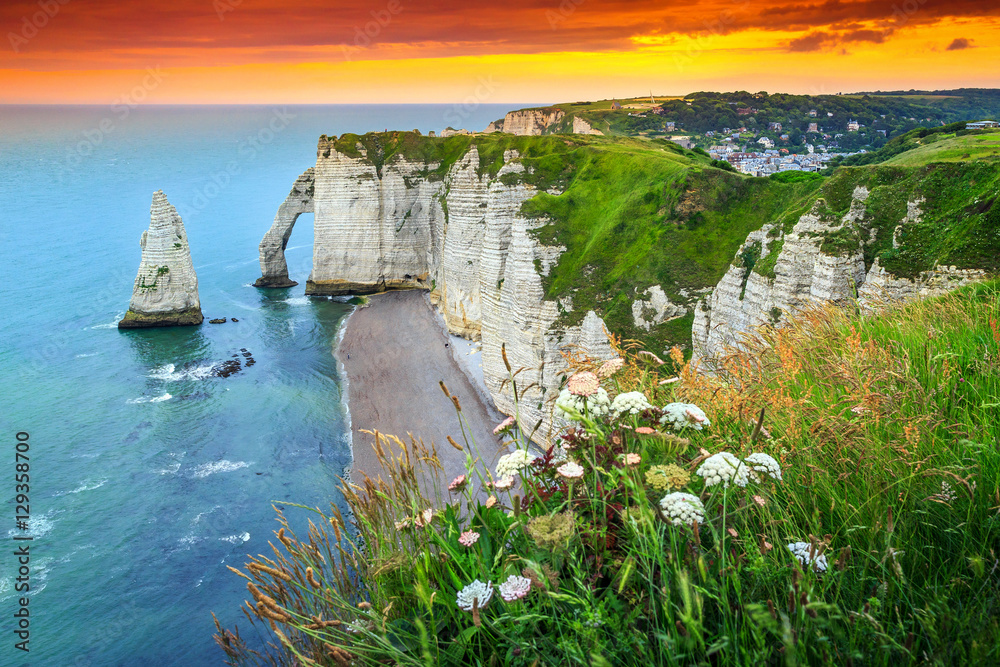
(273, 268)
(166, 288)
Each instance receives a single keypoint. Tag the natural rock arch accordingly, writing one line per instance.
(273, 267)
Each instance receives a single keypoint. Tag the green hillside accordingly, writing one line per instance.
(632, 212)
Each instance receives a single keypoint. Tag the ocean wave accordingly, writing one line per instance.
(89, 354)
(225, 465)
(169, 470)
(37, 527)
(150, 399)
(297, 300)
(110, 325)
(236, 539)
(85, 486)
(169, 373)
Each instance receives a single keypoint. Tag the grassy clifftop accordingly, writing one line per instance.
(632, 213)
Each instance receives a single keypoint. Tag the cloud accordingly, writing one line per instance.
(820, 40)
(959, 44)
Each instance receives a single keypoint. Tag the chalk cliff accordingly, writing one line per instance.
(274, 269)
(404, 223)
(527, 121)
(820, 260)
(165, 292)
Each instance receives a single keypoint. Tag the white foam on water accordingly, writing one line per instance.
(198, 516)
(297, 300)
(236, 539)
(225, 465)
(37, 527)
(169, 470)
(91, 354)
(150, 399)
(85, 486)
(110, 325)
(169, 373)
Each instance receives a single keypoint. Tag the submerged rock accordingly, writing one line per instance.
(165, 292)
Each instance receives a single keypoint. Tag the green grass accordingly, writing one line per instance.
(951, 148)
(886, 441)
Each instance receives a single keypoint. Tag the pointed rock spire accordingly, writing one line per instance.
(166, 287)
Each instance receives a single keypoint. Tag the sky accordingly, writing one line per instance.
(436, 51)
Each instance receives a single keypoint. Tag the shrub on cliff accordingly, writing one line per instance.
(829, 497)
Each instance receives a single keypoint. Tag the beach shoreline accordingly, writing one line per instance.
(393, 352)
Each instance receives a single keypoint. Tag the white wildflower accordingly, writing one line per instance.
(511, 464)
(724, 468)
(596, 405)
(514, 588)
(629, 403)
(801, 551)
(681, 415)
(504, 483)
(476, 591)
(570, 470)
(682, 508)
(764, 464)
(947, 492)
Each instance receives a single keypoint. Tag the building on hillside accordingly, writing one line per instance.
(813, 127)
(776, 127)
(615, 106)
(812, 113)
(670, 126)
(784, 137)
(765, 142)
(745, 111)
(982, 125)
(853, 126)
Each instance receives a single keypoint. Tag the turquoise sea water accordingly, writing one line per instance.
(148, 475)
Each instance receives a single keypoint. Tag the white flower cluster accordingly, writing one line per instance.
(763, 464)
(801, 552)
(630, 403)
(511, 464)
(477, 591)
(596, 405)
(515, 588)
(725, 469)
(682, 508)
(681, 415)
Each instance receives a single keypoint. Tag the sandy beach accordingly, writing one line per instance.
(394, 352)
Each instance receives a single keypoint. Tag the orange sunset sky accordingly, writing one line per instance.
(401, 51)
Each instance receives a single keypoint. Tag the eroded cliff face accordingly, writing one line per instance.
(532, 122)
(274, 269)
(820, 260)
(165, 292)
(403, 224)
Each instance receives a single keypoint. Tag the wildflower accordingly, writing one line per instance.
(629, 403)
(681, 415)
(724, 468)
(552, 531)
(570, 470)
(764, 464)
(662, 478)
(801, 551)
(596, 405)
(513, 463)
(645, 430)
(504, 484)
(610, 367)
(504, 425)
(859, 410)
(405, 523)
(477, 594)
(424, 518)
(670, 381)
(491, 501)
(682, 508)
(632, 459)
(583, 383)
(514, 588)
(457, 484)
(468, 538)
(947, 492)
(760, 501)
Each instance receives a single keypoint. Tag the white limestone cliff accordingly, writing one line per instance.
(461, 236)
(274, 269)
(165, 292)
(580, 126)
(654, 307)
(803, 274)
(531, 122)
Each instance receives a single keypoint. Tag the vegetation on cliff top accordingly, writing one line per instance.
(830, 497)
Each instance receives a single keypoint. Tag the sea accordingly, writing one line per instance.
(149, 473)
